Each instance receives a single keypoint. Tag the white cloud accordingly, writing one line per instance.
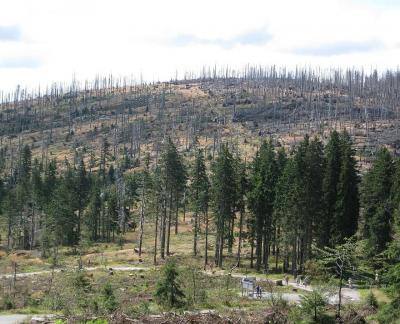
(127, 37)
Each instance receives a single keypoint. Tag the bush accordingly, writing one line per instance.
(108, 299)
(371, 300)
(389, 313)
(81, 282)
(139, 310)
(8, 302)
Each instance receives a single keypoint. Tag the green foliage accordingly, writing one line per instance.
(199, 193)
(314, 304)
(108, 299)
(8, 302)
(376, 194)
(371, 300)
(194, 286)
(341, 261)
(168, 292)
(223, 198)
(140, 309)
(97, 321)
(261, 196)
(81, 282)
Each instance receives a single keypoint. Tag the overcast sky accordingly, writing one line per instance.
(51, 40)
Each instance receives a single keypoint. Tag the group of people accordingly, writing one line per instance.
(302, 280)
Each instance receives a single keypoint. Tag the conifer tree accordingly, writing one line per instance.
(224, 198)
(345, 220)
(145, 188)
(376, 201)
(261, 199)
(330, 186)
(174, 178)
(168, 291)
(92, 213)
(286, 203)
(199, 194)
(81, 192)
(242, 187)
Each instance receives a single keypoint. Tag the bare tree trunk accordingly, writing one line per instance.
(142, 207)
(206, 247)
(240, 238)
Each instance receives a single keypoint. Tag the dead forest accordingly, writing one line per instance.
(215, 106)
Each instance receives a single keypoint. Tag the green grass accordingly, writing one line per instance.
(380, 295)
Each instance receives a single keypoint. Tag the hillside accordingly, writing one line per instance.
(243, 110)
(131, 202)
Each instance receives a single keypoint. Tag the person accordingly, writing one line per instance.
(299, 280)
(258, 291)
(377, 278)
(287, 280)
(350, 283)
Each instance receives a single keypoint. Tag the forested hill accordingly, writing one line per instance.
(267, 169)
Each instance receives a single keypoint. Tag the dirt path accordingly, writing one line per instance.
(22, 318)
(14, 318)
(113, 268)
(348, 295)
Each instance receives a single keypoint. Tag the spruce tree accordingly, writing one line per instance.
(286, 203)
(309, 170)
(174, 178)
(241, 202)
(168, 291)
(346, 213)
(261, 199)
(376, 201)
(199, 194)
(92, 214)
(81, 192)
(224, 198)
(330, 186)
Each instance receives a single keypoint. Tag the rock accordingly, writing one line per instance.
(279, 282)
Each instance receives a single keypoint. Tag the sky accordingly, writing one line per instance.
(45, 41)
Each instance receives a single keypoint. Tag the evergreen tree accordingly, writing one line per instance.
(224, 198)
(241, 202)
(330, 186)
(199, 194)
(168, 291)
(345, 220)
(25, 165)
(92, 213)
(287, 197)
(81, 192)
(62, 220)
(261, 199)
(145, 192)
(112, 212)
(174, 178)
(50, 181)
(376, 201)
